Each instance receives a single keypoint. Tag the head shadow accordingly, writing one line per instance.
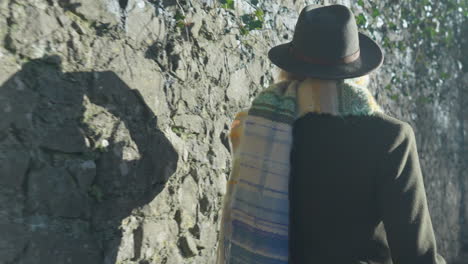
(84, 151)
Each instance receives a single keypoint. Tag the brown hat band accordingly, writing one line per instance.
(300, 56)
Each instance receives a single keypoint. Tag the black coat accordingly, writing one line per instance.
(357, 193)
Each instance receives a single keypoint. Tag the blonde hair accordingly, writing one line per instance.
(285, 75)
(313, 87)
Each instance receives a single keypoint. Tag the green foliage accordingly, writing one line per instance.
(429, 29)
(448, 39)
(252, 21)
(394, 97)
(444, 75)
(424, 99)
(178, 130)
(361, 20)
(248, 22)
(401, 46)
(227, 4)
(243, 30)
(430, 32)
(259, 14)
(375, 13)
(179, 17)
(387, 43)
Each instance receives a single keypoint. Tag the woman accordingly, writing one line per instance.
(320, 173)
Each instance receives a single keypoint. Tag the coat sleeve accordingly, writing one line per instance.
(405, 212)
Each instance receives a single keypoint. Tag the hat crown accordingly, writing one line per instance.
(326, 32)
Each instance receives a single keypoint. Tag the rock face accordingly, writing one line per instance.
(113, 143)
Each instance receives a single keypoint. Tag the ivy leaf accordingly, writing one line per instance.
(179, 16)
(375, 13)
(394, 97)
(246, 18)
(430, 32)
(180, 24)
(256, 24)
(243, 30)
(361, 3)
(252, 21)
(444, 75)
(423, 99)
(361, 20)
(227, 4)
(259, 14)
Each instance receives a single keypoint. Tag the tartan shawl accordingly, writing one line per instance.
(255, 216)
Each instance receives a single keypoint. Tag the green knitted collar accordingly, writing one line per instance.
(278, 101)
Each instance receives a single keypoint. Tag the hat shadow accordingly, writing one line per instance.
(87, 154)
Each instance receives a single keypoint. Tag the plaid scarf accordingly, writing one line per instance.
(255, 217)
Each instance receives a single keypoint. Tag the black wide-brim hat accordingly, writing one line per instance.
(327, 45)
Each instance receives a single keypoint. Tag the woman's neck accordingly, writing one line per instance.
(316, 95)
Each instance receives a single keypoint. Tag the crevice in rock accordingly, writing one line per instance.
(173, 59)
(155, 52)
(18, 134)
(224, 137)
(49, 150)
(137, 242)
(204, 205)
(24, 184)
(178, 217)
(8, 41)
(67, 6)
(123, 4)
(123, 17)
(187, 247)
(74, 178)
(195, 231)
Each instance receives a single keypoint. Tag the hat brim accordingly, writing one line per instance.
(371, 57)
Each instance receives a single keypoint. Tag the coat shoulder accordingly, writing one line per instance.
(392, 129)
(390, 122)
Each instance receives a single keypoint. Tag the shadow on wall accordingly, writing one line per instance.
(79, 152)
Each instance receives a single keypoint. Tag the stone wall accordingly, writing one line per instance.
(113, 144)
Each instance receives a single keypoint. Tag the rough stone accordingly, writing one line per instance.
(14, 241)
(67, 139)
(13, 166)
(142, 23)
(113, 138)
(45, 185)
(187, 246)
(102, 11)
(188, 193)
